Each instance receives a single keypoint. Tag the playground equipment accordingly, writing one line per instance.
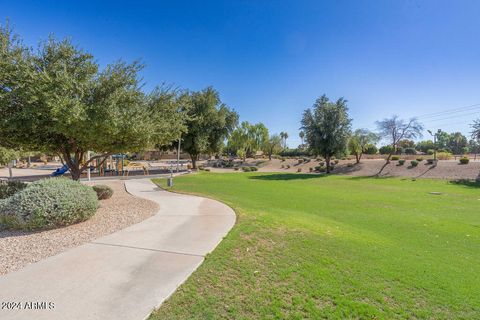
(137, 165)
(60, 171)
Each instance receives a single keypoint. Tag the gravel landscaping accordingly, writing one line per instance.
(19, 248)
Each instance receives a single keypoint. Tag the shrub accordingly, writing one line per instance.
(395, 158)
(103, 191)
(310, 169)
(349, 165)
(49, 203)
(414, 163)
(385, 150)
(371, 149)
(299, 170)
(444, 156)
(430, 151)
(236, 168)
(294, 153)
(306, 160)
(464, 160)
(300, 161)
(420, 159)
(207, 169)
(336, 161)
(246, 169)
(253, 168)
(410, 151)
(321, 163)
(401, 162)
(288, 166)
(189, 166)
(430, 161)
(321, 168)
(9, 188)
(282, 166)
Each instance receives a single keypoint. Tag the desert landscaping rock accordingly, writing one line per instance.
(20, 248)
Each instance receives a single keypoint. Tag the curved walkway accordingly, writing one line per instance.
(124, 275)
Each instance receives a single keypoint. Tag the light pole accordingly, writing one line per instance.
(178, 153)
(434, 143)
(88, 168)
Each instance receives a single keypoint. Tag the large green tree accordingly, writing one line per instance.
(457, 143)
(168, 110)
(327, 127)
(248, 138)
(56, 100)
(208, 123)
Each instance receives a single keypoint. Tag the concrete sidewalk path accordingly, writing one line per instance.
(124, 275)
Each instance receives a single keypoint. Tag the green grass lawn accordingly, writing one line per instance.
(336, 247)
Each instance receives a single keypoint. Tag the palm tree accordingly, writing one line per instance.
(302, 136)
(284, 137)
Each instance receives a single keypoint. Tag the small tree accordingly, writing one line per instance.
(360, 141)
(8, 155)
(327, 127)
(394, 130)
(209, 123)
(273, 145)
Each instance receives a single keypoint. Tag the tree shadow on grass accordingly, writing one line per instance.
(467, 183)
(372, 177)
(288, 176)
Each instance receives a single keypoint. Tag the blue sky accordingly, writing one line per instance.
(271, 59)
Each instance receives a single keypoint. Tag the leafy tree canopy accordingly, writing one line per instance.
(56, 100)
(209, 122)
(248, 137)
(360, 141)
(273, 145)
(7, 155)
(327, 127)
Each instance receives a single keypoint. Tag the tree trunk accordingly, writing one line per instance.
(327, 162)
(76, 173)
(387, 161)
(194, 162)
(357, 157)
(270, 156)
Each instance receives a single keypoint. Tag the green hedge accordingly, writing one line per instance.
(9, 188)
(49, 203)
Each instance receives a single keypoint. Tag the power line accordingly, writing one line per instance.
(449, 111)
(453, 116)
